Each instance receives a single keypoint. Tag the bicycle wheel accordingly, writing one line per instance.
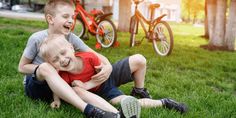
(133, 30)
(106, 33)
(163, 41)
(79, 28)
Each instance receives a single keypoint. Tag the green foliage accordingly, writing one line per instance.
(204, 80)
(192, 10)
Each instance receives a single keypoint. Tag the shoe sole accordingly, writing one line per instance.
(130, 107)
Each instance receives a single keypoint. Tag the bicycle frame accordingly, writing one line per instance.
(143, 20)
(151, 23)
(92, 25)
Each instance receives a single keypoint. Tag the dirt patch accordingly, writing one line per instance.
(215, 48)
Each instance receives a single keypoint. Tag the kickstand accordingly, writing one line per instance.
(137, 43)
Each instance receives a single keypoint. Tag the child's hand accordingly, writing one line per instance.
(78, 83)
(55, 104)
(103, 73)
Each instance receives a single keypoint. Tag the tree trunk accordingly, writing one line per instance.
(124, 15)
(206, 22)
(219, 30)
(231, 27)
(211, 13)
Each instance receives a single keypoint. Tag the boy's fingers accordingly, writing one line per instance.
(97, 67)
(97, 77)
(52, 105)
(57, 106)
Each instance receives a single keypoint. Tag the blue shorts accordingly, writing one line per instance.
(120, 75)
(38, 90)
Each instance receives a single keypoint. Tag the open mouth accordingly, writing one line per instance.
(66, 63)
(68, 27)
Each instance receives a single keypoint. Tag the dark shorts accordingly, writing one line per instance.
(38, 90)
(120, 74)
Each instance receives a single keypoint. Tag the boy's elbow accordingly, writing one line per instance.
(19, 69)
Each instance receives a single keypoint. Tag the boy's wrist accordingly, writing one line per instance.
(35, 71)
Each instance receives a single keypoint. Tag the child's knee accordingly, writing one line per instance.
(139, 60)
(44, 70)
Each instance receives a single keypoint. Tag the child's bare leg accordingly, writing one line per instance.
(149, 103)
(137, 65)
(94, 100)
(117, 100)
(59, 86)
(145, 102)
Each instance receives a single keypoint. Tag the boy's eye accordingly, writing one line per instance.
(55, 60)
(63, 52)
(66, 16)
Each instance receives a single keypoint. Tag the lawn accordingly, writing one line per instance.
(204, 80)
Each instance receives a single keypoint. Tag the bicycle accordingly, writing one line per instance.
(159, 32)
(97, 23)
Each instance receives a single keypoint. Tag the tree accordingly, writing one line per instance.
(187, 6)
(206, 35)
(217, 38)
(231, 27)
(124, 15)
(197, 7)
(192, 9)
(211, 13)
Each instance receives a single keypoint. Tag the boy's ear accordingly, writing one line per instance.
(50, 19)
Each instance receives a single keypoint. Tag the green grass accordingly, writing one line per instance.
(204, 80)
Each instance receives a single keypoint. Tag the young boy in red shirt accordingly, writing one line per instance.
(78, 68)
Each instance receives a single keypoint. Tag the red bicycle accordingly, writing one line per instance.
(159, 32)
(97, 23)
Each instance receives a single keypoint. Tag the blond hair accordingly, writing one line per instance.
(51, 43)
(51, 6)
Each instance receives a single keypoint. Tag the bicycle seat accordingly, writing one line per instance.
(154, 6)
(137, 1)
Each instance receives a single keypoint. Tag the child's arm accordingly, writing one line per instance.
(87, 85)
(56, 103)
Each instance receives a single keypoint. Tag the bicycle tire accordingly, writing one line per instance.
(133, 30)
(109, 36)
(79, 28)
(164, 41)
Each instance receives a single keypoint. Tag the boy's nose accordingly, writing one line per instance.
(64, 61)
(70, 21)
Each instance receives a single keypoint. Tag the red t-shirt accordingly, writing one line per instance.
(89, 61)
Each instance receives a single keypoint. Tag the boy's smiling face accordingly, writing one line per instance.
(62, 22)
(61, 55)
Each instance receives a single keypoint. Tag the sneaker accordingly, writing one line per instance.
(99, 113)
(171, 104)
(140, 93)
(130, 107)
